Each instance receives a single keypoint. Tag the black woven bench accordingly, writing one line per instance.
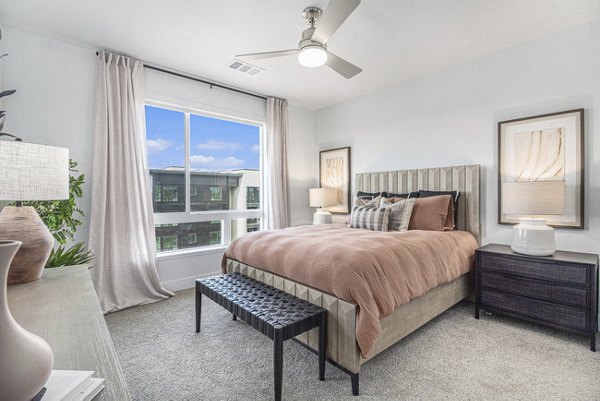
(278, 315)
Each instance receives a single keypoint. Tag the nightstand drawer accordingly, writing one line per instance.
(561, 315)
(574, 296)
(532, 268)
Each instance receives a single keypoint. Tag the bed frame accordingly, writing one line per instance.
(342, 348)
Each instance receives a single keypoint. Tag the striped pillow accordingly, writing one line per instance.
(370, 218)
(366, 201)
(400, 212)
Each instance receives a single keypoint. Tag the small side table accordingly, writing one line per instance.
(559, 291)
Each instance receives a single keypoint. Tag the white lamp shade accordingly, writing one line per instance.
(32, 172)
(533, 197)
(322, 197)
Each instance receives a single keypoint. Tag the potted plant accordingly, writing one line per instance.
(62, 217)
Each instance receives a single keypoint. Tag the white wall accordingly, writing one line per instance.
(303, 164)
(55, 99)
(55, 105)
(450, 117)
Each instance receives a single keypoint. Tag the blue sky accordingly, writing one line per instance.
(214, 144)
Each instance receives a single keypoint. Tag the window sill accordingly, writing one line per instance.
(186, 253)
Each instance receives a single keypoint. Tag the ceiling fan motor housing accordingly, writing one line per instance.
(307, 39)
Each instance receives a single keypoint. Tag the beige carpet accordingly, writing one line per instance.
(454, 357)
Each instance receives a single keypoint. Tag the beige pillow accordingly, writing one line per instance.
(400, 212)
(431, 213)
(366, 202)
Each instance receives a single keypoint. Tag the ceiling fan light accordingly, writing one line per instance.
(312, 56)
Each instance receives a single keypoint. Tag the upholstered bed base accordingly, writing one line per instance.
(341, 337)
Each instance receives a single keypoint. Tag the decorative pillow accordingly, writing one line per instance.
(369, 218)
(366, 201)
(455, 196)
(431, 213)
(400, 212)
(409, 195)
(371, 195)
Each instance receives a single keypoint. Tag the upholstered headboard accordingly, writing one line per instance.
(456, 178)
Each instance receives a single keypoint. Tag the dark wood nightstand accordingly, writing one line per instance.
(560, 291)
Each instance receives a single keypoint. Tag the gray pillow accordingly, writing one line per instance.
(370, 218)
(400, 212)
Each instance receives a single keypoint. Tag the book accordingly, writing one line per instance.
(72, 385)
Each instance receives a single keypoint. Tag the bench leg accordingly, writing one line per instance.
(198, 307)
(322, 346)
(278, 363)
(234, 318)
(354, 380)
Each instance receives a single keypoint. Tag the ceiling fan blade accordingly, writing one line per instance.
(258, 56)
(334, 16)
(341, 66)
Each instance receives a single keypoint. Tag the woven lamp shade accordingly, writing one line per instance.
(322, 197)
(533, 197)
(30, 172)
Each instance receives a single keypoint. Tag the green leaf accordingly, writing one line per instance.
(75, 255)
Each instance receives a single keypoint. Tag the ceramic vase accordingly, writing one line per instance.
(26, 360)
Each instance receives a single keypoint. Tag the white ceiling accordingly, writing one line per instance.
(392, 40)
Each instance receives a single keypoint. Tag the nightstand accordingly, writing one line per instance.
(559, 291)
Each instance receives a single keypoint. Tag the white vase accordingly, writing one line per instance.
(26, 360)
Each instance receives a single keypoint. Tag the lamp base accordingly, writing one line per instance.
(24, 224)
(321, 217)
(533, 237)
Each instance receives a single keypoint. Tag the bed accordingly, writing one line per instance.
(348, 347)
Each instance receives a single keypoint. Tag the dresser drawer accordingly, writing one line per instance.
(574, 296)
(525, 267)
(561, 315)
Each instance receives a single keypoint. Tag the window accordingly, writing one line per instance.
(216, 194)
(169, 194)
(214, 237)
(252, 197)
(169, 243)
(206, 177)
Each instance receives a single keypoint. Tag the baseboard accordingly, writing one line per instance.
(186, 282)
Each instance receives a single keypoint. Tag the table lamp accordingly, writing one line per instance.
(532, 236)
(320, 198)
(30, 172)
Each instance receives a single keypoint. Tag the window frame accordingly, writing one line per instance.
(189, 216)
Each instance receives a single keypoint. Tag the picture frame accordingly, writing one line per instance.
(546, 149)
(334, 172)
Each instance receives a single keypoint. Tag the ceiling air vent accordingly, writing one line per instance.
(245, 68)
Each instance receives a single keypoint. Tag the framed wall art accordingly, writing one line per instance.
(334, 172)
(541, 163)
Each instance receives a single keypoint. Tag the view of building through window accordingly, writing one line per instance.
(224, 175)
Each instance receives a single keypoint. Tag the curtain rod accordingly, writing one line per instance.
(211, 84)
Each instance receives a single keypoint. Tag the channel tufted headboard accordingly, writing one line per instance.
(462, 178)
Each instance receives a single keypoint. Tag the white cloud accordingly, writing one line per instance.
(210, 161)
(158, 145)
(220, 145)
(199, 159)
(255, 148)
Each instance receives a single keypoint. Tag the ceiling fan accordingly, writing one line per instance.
(312, 48)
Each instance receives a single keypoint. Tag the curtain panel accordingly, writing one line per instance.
(276, 165)
(121, 219)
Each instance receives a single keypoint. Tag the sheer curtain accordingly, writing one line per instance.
(276, 176)
(121, 219)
